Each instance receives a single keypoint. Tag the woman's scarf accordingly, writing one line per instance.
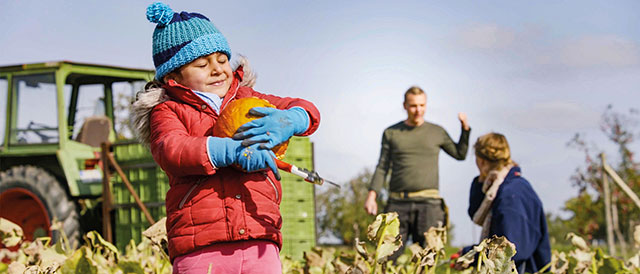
(490, 187)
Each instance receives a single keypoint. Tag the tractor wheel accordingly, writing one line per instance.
(32, 198)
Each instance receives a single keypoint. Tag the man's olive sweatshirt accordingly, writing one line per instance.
(411, 154)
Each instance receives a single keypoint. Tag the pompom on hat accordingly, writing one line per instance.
(180, 38)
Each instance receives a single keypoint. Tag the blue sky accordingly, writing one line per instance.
(538, 72)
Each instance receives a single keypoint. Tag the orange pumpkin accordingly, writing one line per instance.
(236, 114)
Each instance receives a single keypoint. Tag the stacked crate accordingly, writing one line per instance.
(149, 182)
(298, 204)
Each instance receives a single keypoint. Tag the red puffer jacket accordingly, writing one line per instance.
(206, 205)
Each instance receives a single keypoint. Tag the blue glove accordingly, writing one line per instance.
(226, 151)
(275, 126)
(222, 151)
(253, 158)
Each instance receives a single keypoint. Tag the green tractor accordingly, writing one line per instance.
(57, 116)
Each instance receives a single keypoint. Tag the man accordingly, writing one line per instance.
(410, 151)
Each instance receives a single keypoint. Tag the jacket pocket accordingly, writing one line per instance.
(275, 188)
(186, 196)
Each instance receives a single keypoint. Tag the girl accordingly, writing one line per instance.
(219, 219)
(505, 204)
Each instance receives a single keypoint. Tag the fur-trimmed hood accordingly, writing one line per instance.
(153, 95)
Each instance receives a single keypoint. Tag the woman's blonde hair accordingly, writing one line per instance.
(494, 148)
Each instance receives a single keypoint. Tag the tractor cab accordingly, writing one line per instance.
(55, 116)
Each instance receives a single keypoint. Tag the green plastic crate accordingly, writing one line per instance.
(300, 207)
(150, 184)
(298, 203)
(299, 146)
(131, 222)
(298, 228)
(295, 247)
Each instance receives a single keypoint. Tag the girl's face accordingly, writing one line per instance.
(211, 73)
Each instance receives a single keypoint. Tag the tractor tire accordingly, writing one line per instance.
(33, 198)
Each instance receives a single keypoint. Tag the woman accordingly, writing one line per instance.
(504, 204)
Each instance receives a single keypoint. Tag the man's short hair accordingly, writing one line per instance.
(414, 90)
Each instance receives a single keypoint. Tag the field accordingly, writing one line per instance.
(370, 255)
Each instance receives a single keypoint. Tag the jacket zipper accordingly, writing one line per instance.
(184, 199)
(232, 96)
(274, 186)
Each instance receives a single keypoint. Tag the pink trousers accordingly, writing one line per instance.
(254, 256)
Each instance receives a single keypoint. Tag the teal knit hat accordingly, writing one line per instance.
(180, 38)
